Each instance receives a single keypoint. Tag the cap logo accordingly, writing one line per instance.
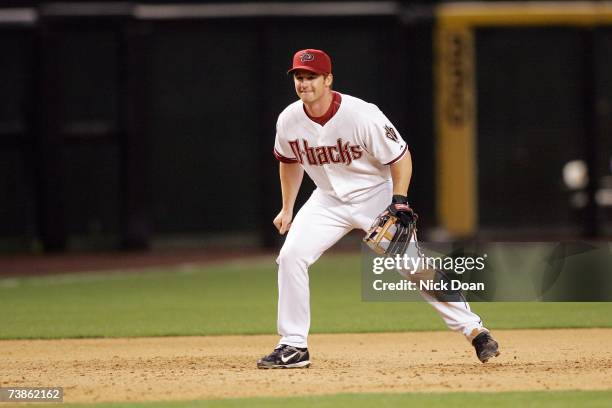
(306, 57)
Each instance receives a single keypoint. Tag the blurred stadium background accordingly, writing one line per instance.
(150, 124)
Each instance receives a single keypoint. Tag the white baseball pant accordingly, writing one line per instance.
(318, 225)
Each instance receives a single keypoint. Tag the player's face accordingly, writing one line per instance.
(310, 87)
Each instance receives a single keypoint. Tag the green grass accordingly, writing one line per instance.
(237, 298)
(442, 400)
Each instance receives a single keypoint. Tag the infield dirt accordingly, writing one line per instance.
(185, 368)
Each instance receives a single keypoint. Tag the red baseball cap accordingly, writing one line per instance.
(316, 61)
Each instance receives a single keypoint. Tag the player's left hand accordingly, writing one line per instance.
(400, 208)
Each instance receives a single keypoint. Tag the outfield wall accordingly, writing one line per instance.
(125, 124)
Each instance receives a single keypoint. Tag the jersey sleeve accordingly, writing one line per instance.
(282, 150)
(381, 139)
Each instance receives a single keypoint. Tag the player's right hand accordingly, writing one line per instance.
(282, 221)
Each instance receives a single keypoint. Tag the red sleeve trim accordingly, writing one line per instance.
(400, 155)
(282, 158)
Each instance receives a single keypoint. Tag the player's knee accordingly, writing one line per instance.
(290, 254)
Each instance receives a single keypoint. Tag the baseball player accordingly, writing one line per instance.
(361, 166)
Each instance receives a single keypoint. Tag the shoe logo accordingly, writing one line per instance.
(285, 359)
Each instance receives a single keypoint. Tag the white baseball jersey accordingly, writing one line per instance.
(347, 157)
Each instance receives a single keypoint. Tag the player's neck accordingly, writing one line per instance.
(320, 106)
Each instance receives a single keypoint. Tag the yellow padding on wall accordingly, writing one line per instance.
(528, 13)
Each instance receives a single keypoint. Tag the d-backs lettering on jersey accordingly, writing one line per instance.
(349, 156)
(342, 152)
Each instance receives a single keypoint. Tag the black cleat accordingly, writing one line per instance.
(485, 347)
(285, 356)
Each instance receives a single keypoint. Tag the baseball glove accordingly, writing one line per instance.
(393, 230)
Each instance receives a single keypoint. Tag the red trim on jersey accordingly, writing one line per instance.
(398, 157)
(282, 158)
(333, 108)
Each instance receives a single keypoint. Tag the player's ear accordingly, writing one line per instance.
(329, 79)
